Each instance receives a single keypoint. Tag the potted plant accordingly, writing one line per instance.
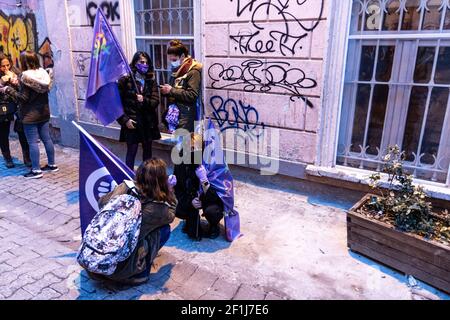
(397, 226)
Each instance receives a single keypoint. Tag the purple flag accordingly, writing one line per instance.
(108, 65)
(219, 176)
(100, 172)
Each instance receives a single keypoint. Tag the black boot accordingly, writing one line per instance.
(9, 163)
(213, 231)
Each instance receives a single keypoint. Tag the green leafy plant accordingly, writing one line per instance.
(402, 203)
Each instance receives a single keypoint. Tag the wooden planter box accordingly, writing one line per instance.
(426, 260)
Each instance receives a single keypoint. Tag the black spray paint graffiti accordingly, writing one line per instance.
(255, 75)
(232, 114)
(109, 8)
(287, 38)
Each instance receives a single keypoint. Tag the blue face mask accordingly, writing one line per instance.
(175, 64)
(142, 68)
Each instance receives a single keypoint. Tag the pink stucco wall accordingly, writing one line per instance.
(286, 43)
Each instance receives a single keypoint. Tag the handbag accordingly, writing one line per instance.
(7, 109)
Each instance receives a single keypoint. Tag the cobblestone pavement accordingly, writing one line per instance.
(40, 234)
(276, 259)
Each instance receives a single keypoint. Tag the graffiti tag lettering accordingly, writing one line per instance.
(232, 114)
(256, 75)
(109, 8)
(287, 39)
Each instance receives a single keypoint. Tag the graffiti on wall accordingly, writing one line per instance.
(237, 115)
(46, 52)
(256, 75)
(109, 8)
(17, 34)
(284, 37)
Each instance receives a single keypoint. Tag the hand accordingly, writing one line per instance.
(3, 90)
(131, 124)
(14, 81)
(140, 97)
(172, 181)
(165, 89)
(196, 203)
(202, 174)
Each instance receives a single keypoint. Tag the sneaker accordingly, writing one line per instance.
(49, 168)
(10, 164)
(34, 175)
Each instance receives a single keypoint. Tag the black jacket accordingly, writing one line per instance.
(185, 92)
(145, 114)
(7, 108)
(186, 189)
(7, 105)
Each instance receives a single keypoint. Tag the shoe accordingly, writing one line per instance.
(95, 276)
(213, 232)
(49, 168)
(10, 164)
(134, 281)
(34, 175)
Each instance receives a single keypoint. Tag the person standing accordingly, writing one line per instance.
(139, 124)
(184, 88)
(34, 111)
(8, 109)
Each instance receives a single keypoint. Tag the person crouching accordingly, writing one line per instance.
(194, 192)
(158, 211)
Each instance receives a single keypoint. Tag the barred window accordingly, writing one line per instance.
(158, 22)
(398, 91)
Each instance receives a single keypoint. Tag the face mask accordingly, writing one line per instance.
(142, 68)
(176, 64)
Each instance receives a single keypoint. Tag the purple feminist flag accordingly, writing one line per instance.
(219, 176)
(108, 65)
(100, 172)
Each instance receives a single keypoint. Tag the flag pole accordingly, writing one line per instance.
(82, 130)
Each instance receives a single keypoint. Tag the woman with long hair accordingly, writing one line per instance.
(158, 211)
(34, 111)
(140, 99)
(8, 109)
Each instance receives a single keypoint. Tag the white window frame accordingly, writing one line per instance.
(339, 21)
(129, 29)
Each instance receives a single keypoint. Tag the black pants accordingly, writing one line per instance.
(132, 149)
(4, 142)
(186, 211)
(213, 213)
(4, 139)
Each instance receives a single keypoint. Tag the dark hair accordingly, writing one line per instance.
(137, 56)
(152, 181)
(177, 48)
(29, 60)
(4, 56)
